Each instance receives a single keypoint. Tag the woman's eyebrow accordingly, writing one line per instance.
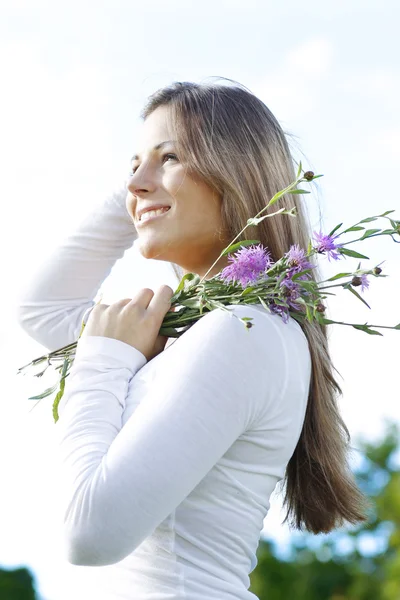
(136, 156)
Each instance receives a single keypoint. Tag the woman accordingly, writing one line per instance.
(169, 453)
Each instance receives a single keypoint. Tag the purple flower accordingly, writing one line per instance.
(361, 280)
(282, 311)
(247, 265)
(297, 260)
(290, 291)
(364, 282)
(326, 244)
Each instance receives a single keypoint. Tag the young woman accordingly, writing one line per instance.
(169, 453)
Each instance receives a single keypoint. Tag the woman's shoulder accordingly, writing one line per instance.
(265, 320)
(269, 337)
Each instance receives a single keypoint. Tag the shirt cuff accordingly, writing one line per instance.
(115, 352)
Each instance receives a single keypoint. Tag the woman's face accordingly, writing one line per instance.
(188, 234)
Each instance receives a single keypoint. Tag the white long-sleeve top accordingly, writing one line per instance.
(167, 466)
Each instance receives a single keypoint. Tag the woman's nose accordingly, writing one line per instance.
(134, 190)
(142, 180)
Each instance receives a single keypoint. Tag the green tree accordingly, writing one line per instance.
(17, 584)
(369, 567)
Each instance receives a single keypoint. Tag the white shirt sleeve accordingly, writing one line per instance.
(54, 300)
(120, 483)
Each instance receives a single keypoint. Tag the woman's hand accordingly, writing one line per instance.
(135, 321)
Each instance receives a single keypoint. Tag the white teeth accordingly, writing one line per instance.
(151, 213)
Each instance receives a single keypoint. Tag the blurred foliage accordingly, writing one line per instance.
(17, 584)
(355, 563)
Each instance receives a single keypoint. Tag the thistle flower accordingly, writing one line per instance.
(282, 311)
(247, 265)
(326, 244)
(296, 260)
(362, 280)
(291, 292)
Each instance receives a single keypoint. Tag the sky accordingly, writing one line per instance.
(74, 78)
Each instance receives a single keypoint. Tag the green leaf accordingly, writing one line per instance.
(309, 314)
(339, 276)
(353, 291)
(299, 192)
(276, 197)
(191, 303)
(368, 220)
(328, 321)
(316, 176)
(309, 247)
(281, 193)
(397, 326)
(280, 279)
(386, 213)
(335, 229)
(368, 233)
(299, 170)
(213, 304)
(67, 362)
(263, 303)
(352, 253)
(45, 393)
(181, 286)
(236, 246)
(366, 329)
(319, 317)
(248, 290)
(193, 281)
(307, 285)
(354, 228)
(169, 332)
(300, 273)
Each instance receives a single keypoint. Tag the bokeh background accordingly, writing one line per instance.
(74, 77)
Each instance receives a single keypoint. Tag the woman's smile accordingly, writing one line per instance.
(151, 215)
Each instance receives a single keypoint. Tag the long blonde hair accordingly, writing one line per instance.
(228, 137)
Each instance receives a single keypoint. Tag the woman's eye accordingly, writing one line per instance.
(169, 155)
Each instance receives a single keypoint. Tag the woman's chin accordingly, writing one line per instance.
(151, 250)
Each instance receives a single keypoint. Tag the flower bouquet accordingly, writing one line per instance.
(284, 287)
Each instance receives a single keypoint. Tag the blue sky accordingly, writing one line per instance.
(74, 79)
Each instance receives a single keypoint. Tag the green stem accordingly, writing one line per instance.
(367, 325)
(282, 192)
(330, 286)
(366, 238)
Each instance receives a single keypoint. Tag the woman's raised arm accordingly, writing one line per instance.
(52, 304)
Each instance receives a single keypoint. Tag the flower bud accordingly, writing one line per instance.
(377, 270)
(356, 281)
(309, 175)
(320, 307)
(249, 325)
